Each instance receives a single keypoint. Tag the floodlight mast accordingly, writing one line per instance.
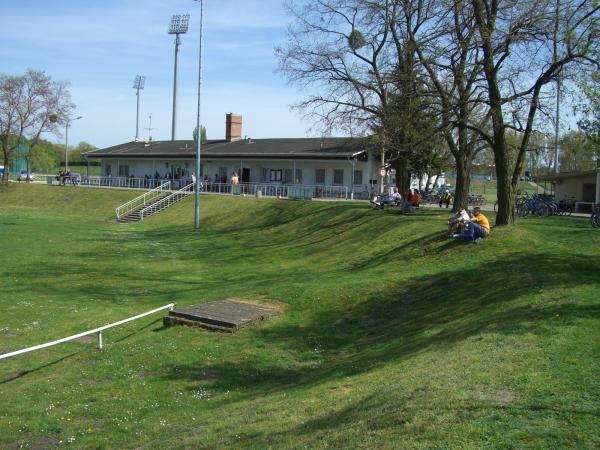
(179, 25)
(138, 84)
(199, 128)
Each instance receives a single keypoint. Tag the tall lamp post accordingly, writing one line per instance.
(67, 141)
(179, 25)
(199, 135)
(138, 84)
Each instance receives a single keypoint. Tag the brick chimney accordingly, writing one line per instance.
(233, 127)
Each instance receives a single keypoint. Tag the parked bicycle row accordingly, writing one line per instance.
(541, 205)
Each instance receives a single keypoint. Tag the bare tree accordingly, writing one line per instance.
(30, 104)
(448, 49)
(362, 71)
(527, 44)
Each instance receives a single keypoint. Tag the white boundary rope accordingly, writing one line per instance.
(98, 331)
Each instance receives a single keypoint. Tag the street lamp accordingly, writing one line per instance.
(67, 141)
(199, 135)
(179, 25)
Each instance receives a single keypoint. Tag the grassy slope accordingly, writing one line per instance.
(392, 337)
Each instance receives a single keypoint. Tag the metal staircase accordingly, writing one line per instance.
(151, 203)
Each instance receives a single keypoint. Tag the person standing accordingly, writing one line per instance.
(446, 198)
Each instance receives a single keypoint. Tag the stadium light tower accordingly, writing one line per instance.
(138, 83)
(199, 135)
(179, 25)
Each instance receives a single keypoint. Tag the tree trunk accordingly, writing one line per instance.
(435, 181)
(463, 181)
(6, 167)
(505, 189)
(402, 176)
(429, 177)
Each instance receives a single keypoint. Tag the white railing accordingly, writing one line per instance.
(254, 188)
(131, 182)
(276, 190)
(151, 209)
(97, 331)
(142, 200)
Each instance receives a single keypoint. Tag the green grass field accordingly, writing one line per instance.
(390, 336)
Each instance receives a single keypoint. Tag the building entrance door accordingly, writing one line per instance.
(245, 175)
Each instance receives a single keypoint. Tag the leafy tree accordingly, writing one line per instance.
(525, 46)
(76, 153)
(30, 104)
(590, 107)
(202, 134)
(578, 152)
(43, 156)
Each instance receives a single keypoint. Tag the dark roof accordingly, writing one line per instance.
(565, 175)
(301, 148)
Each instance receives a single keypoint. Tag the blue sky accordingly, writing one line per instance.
(99, 47)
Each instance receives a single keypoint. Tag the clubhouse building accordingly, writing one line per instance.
(328, 162)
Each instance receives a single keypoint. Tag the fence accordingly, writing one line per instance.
(276, 190)
(252, 189)
(97, 331)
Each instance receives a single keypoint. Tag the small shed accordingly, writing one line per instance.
(582, 188)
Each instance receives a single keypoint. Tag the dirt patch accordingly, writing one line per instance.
(277, 307)
(86, 339)
(207, 375)
(502, 397)
(38, 443)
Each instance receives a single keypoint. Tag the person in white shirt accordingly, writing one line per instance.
(456, 222)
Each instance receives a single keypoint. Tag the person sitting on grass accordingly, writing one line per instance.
(477, 228)
(395, 197)
(412, 201)
(416, 200)
(457, 221)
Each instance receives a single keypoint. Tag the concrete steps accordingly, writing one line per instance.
(155, 207)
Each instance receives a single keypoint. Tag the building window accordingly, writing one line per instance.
(275, 174)
(287, 176)
(338, 177)
(298, 179)
(123, 171)
(358, 177)
(108, 170)
(319, 176)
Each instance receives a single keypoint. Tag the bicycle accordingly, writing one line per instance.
(596, 217)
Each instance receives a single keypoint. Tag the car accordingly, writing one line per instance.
(24, 177)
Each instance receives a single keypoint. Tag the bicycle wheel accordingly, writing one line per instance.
(543, 210)
(522, 210)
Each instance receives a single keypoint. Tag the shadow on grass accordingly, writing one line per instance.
(431, 312)
(15, 376)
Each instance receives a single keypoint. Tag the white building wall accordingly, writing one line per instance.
(569, 188)
(140, 167)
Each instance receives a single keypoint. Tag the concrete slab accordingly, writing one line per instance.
(223, 315)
